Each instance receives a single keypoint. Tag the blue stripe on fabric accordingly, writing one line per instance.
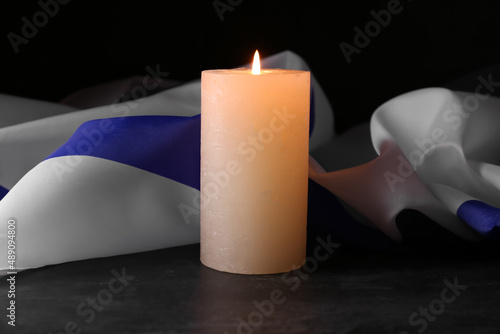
(136, 141)
(165, 145)
(3, 192)
(482, 217)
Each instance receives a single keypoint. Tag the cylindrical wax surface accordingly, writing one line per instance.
(254, 169)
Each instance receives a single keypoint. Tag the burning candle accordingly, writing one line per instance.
(254, 169)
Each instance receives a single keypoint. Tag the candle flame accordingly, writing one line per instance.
(256, 63)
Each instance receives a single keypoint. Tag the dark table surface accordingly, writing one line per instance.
(346, 291)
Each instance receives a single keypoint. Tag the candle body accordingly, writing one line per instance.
(254, 170)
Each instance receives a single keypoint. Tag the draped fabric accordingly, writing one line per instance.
(123, 177)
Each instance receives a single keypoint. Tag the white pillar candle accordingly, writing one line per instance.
(254, 169)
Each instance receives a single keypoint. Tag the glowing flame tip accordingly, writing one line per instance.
(256, 63)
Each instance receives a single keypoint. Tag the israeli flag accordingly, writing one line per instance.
(124, 177)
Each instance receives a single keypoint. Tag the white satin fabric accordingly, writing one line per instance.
(437, 149)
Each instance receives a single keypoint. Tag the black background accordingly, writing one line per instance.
(430, 43)
(87, 42)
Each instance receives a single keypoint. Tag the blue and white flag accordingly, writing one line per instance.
(123, 177)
